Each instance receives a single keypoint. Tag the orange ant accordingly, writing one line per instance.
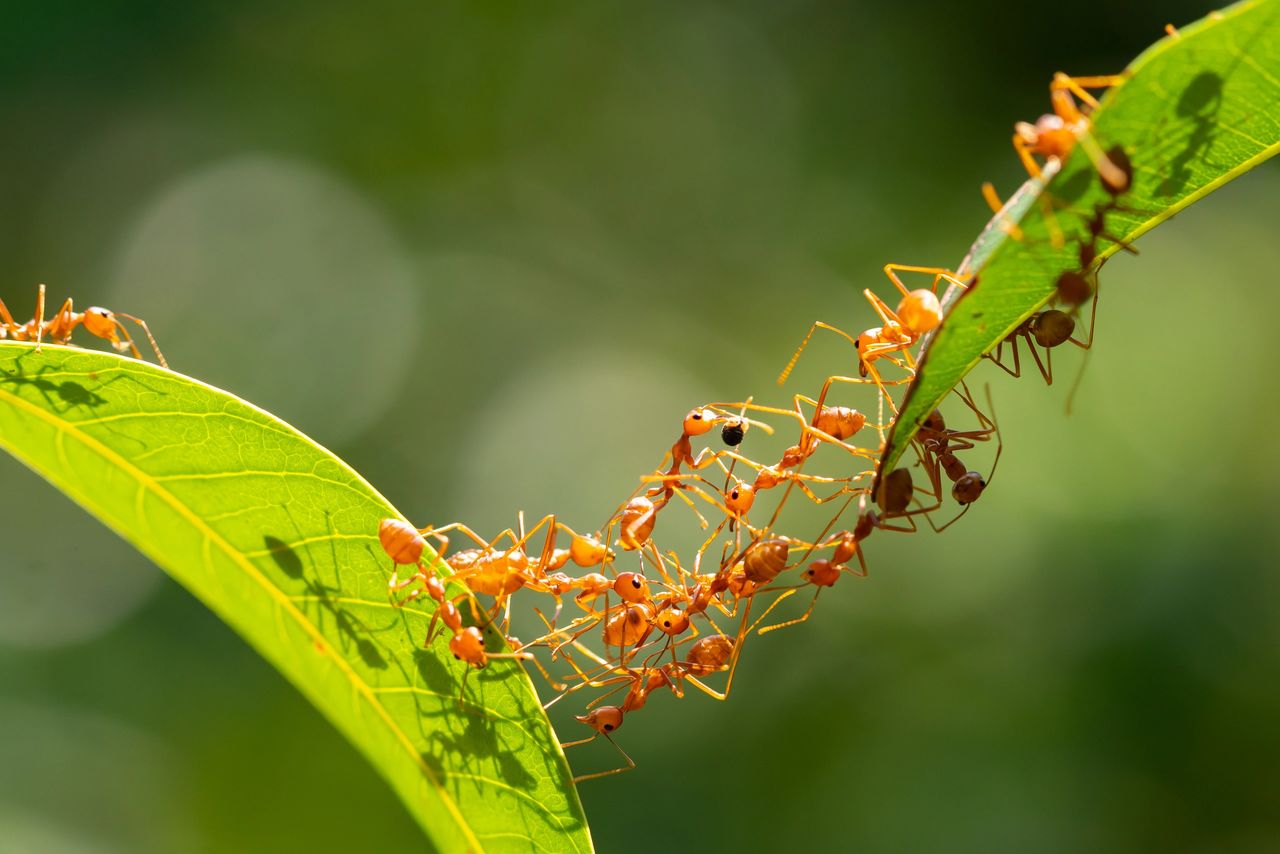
(919, 312)
(1054, 134)
(405, 546)
(605, 720)
(820, 574)
(58, 329)
(706, 656)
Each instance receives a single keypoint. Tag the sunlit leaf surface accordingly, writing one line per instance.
(1199, 109)
(279, 537)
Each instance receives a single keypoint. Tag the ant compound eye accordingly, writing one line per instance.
(635, 582)
(608, 727)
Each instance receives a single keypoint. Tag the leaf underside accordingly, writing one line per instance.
(279, 538)
(1198, 109)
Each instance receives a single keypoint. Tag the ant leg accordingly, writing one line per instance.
(551, 681)
(1024, 154)
(939, 530)
(966, 396)
(151, 338)
(1046, 371)
(786, 594)
(1007, 225)
(786, 372)
(1112, 174)
(1083, 345)
(937, 273)
(1016, 371)
(1093, 317)
(887, 315)
(797, 620)
(40, 316)
(884, 394)
(1056, 238)
(628, 767)
(121, 340)
(9, 325)
(438, 533)
(396, 584)
(1078, 85)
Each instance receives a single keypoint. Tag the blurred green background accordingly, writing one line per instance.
(490, 254)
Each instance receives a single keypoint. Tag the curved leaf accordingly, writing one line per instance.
(1199, 109)
(279, 538)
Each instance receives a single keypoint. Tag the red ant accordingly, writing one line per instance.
(405, 546)
(58, 329)
(919, 312)
(1055, 134)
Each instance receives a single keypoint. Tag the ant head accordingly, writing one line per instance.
(733, 433)
(863, 341)
(740, 497)
(895, 491)
(699, 421)
(632, 587)
(102, 323)
(672, 622)
(968, 488)
(1074, 288)
(604, 720)
(1051, 328)
(920, 311)
(821, 573)
(468, 645)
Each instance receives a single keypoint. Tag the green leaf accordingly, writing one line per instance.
(1199, 109)
(279, 538)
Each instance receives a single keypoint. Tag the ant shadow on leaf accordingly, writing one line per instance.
(463, 734)
(354, 631)
(464, 738)
(1199, 104)
(61, 397)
